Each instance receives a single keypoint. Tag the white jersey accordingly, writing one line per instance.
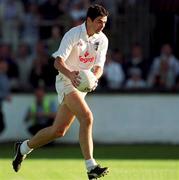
(80, 51)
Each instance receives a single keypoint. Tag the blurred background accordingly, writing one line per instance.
(137, 99)
(143, 42)
(141, 70)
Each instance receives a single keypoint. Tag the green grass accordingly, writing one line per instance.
(126, 162)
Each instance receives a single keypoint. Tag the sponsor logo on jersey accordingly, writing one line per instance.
(86, 53)
(86, 59)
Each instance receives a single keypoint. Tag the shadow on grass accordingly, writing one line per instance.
(125, 152)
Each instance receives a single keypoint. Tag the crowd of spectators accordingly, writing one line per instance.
(32, 29)
(137, 72)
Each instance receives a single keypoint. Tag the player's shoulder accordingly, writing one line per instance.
(103, 37)
(74, 30)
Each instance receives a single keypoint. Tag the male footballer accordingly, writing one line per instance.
(83, 47)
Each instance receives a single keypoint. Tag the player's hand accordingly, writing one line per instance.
(75, 78)
(95, 86)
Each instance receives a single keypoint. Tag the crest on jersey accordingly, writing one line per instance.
(79, 43)
(96, 45)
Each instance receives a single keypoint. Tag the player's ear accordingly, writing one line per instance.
(89, 21)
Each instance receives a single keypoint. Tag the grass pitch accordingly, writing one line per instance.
(126, 162)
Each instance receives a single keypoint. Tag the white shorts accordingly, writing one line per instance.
(64, 86)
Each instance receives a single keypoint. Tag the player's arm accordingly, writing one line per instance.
(100, 59)
(60, 65)
(62, 54)
(97, 71)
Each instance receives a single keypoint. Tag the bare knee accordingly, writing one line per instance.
(87, 119)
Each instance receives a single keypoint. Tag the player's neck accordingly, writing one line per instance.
(89, 30)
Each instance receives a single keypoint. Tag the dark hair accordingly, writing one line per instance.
(95, 11)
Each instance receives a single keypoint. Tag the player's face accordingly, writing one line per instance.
(98, 24)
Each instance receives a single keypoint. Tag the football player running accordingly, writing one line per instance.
(83, 47)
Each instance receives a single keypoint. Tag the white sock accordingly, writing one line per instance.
(24, 148)
(90, 164)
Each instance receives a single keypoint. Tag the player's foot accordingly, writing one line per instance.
(18, 158)
(97, 172)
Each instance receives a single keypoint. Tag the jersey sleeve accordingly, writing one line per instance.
(66, 45)
(101, 55)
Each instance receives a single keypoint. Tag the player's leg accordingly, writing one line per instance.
(62, 122)
(81, 110)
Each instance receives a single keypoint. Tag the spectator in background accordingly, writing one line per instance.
(135, 80)
(53, 41)
(38, 2)
(64, 20)
(41, 112)
(118, 57)
(137, 61)
(11, 13)
(78, 11)
(4, 90)
(40, 61)
(49, 13)
(24, 63)
(176, 87)
(37, 74)
(63, 6)
(164, 69)
(30, 28)
(41, 68)
(113, 73)
(40, 50)
(49, 10)
(13, 71)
